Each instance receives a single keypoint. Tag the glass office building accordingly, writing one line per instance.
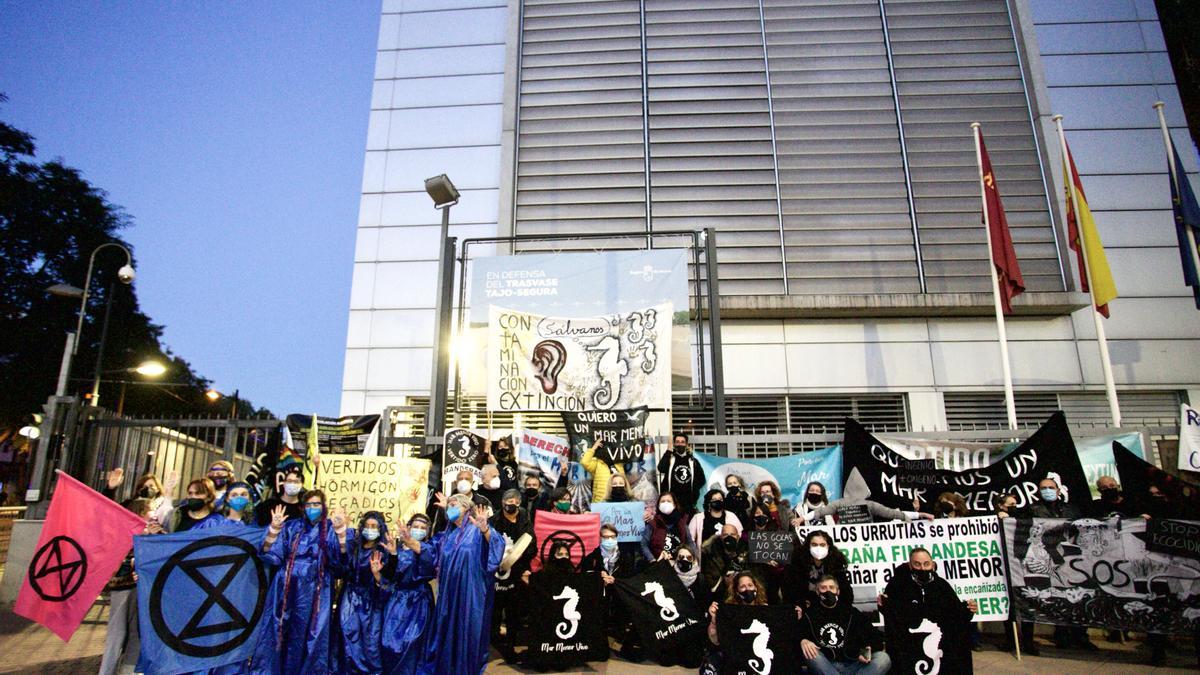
(828, 143)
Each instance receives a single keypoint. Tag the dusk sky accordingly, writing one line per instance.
(233, 135)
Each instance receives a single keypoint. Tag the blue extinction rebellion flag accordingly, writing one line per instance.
(201, 596)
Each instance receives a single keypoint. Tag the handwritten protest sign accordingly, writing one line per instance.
(622, 433)
(766, 546)
(625, 516)
(359, 484)
(414, 486)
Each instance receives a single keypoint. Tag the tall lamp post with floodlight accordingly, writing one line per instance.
(444, 195)
(125, 275)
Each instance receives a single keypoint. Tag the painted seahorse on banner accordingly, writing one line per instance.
(565, 630)
(931, 646)
(666, 606)
(763, 654)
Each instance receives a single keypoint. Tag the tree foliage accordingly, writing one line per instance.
(51, 220)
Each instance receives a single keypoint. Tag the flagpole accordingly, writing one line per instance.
(1110, 387)
(1009, 402)
(1175, 179)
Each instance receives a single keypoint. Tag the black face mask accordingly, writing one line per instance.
(748, 596)
(829, 598)
(684, 566)
(504, 453)
(923, 576)
(680, 450)
(760, 520)
(767, 499)
(194, 504)
(945, 508)
(1110, 494)
(560, 564)
(510, 508)
(219, 482)
(814, 498)
(531, 493)
(729, 542)
(618, 494)
(717, 506)
(148, 492)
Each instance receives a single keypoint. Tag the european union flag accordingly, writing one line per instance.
(1187, 218)
(201, 597)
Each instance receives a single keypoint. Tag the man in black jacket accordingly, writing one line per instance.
(509, 606)
(1053, 503)
(680, 474)
(836, 638)
(927, 625)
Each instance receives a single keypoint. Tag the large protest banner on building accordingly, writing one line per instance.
(1104, 574)
(1095, 452)
(359, 484)
(966, 551)
(896, 481)
(792, 472)
(606, 362)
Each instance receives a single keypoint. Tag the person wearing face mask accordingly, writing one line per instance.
(533, 498)
(666, 530)
(764, 518)
(915, 594)
(122, 641)
(501, 454)
(613, 560)
(743, 588)
(737, 498)
(950, 505)
(288, 496)
(509, 608)
(602, 473)
(306, 553)
(489, 486)
(778, 510)
(239, 508)
(464, 484)
(561, 501)
(680, 474)
(221, 475)
(724, 556)
(147, 487)
(815, 496)
(468, 554)
(1112, 503)
(359, 630)
(814, 557)
(408, 614)
(712, 522)
(197, 511)
(1052, 504)
(1004, 505)
(836, 638)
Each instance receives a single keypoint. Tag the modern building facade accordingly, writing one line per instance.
(828, 143)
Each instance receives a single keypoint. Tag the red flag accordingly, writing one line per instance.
(581, 531)
(1008, 272)
(84, 540)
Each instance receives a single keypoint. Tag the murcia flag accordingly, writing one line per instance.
(1004, 257)
(84, 539)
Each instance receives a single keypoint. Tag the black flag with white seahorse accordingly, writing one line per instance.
(566, 620)
(662, 610)
(759, 639)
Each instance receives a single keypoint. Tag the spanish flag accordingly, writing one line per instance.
(1093, 273)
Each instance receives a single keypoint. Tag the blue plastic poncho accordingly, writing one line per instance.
(360, 610)
(408, 618)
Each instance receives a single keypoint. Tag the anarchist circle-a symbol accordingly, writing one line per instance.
(58, 569)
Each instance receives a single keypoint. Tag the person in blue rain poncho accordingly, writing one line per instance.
(360, 609)
(407, 618)
(469, 553)
(307, 553)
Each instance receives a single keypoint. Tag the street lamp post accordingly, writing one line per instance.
(444, 195)
(126, 275)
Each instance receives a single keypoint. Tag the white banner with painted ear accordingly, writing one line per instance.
(607, 362)
(1189, 438)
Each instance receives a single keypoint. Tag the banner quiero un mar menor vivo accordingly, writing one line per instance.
(966, 551)
(895, 481)
(792, 472)
(1093, 573)
(607, 362)
(622, 433)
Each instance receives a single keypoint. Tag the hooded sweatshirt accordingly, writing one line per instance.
(841, 631)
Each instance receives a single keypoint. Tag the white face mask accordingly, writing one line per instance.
(666, 508)
(292, 489)
(463, 486)
(818, 552)
(494, 483)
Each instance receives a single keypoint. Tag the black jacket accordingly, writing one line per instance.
(1055, 509)
(628, 562)
(915, 614)
(682, 477)
(800, 579)
(842, 632)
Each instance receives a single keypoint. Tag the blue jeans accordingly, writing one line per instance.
(880, 664)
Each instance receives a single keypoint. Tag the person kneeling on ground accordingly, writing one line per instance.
(837, 639)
